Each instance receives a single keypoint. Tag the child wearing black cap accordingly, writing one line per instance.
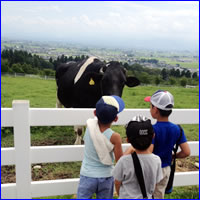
(139, 133)
(101, 142)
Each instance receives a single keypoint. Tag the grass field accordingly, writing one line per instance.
(192, 192)
(186, 62)
(42, 93)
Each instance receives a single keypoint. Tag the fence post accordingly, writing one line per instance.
(22, 148)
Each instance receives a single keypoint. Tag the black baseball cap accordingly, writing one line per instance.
(140, 132)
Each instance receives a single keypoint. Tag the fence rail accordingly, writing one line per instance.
(22, 155)
(28, 75)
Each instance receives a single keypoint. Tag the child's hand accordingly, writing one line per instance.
(129, 150)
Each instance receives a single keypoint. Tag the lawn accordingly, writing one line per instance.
(42, 94)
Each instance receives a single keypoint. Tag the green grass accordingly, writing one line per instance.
(188, 63)
(42, 94)
(183, 97)
(191, 131)
(186, 192)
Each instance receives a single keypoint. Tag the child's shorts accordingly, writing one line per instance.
(103, 187)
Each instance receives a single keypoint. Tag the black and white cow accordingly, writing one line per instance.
(81, 84)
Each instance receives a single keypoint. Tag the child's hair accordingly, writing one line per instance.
(164, 113)
(140, 132)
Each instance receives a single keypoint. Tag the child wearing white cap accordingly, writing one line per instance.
(101, 142)
(166, 136)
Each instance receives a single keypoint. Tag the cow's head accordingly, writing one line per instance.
(110, 79)
(114, 79)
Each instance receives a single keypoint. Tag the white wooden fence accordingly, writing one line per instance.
(22, 155)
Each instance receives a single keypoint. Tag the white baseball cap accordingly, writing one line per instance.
(161, 99)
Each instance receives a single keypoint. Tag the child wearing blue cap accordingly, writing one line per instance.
(101, 145)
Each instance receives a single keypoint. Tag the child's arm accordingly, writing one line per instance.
(185, 150)
(117, 186)
(129, 150)
(116, 140)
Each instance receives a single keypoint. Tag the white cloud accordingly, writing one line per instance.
(134, 19)
(114, 14)
(50, 8)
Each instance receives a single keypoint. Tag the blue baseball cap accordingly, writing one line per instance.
(108, 107)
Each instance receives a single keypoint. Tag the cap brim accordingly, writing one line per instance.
(147, 99)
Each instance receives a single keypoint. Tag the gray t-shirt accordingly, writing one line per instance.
(124, 172)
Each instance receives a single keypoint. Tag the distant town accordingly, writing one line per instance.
(161, 59)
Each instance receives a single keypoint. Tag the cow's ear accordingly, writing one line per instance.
(132, 81)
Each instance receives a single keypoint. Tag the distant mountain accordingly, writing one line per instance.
(126, 42)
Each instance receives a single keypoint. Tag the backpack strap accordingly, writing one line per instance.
(173, 165)
(175, 149)
(176, 146)
(139, 174)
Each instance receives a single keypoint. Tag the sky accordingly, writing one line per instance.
(125, 24)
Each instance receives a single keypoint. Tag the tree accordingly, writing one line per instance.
(4, 65)
(164, 74)
(183, 73)
(172, 81)
(27, 68)
(70, 58)
(194, 75)
(183, 82)
(172, 72)
(144, 78)
(188, 74)
(177, 73)
(157, 80)
(83, 57)
(77, 58)
(66, 59)
(62, 59)
(51, 60)
(137, 67)
(49, 72)
(17, 67)
(126, 65)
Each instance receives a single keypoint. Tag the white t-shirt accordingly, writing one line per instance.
(124, 172)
